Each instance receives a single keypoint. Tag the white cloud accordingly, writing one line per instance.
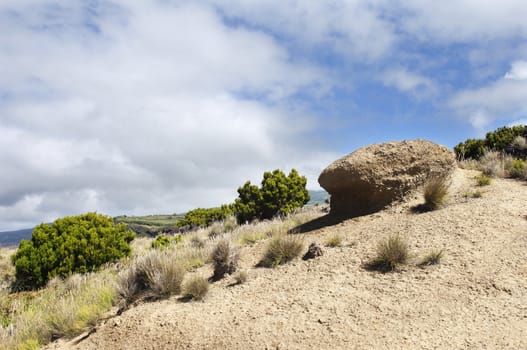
(354, 28)
(409, 82)
(152, 112)
(462, 20)
(502, 100)
(518, 71)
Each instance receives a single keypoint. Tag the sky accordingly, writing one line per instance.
(132, 107)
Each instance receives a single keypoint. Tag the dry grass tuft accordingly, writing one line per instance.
(282, 249)
(63, 309)
(491, 164)
(435, 192)
(225, 259)
(432, 258)
(196, 287)
(391, 253)
(334, 240)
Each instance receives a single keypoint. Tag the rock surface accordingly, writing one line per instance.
(373, 177)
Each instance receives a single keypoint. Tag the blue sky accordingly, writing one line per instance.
(140, 107)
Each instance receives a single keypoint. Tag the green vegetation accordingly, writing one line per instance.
(281, 249)
(149, 225)
(72, 244)
(391, 253)
(163, 241)
(196, 287)
(203, 217)
(483, 180)
(278, 195)
(504, 139)
(65, 308)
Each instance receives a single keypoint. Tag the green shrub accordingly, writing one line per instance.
(224, 258)
(498, 140)
(196, 287)
(435, 192)
(72, 244)
(517, 168)
(483, 180)
(391, 253)
(278, 195)
(470, 149)
(163, 241)
(203, 217)
(281, 249)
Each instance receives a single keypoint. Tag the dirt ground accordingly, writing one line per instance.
(476, 298)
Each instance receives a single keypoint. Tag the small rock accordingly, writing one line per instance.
(313, 251)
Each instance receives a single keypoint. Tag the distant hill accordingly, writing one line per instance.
(317, 197)
(13, 238)
(143, 225)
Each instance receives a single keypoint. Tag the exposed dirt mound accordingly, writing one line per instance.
(476, 298)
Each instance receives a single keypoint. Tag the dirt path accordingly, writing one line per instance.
(475, 299)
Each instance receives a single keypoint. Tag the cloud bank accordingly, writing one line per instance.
(162, 106)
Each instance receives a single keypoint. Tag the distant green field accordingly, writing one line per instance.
(149, 224)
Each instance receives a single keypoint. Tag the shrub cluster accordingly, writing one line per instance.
(163, 241)
(203, 217)
(506, 139)
(278, 195)
(72, 244)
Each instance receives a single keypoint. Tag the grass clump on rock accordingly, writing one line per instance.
(281, 249)
(391, 253)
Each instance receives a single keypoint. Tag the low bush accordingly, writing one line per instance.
(72, 244)
(196, 287)
(516, 168)
(163, 241)
(491, 164)
(483, 180)
(391, 253)
(435, 192)
(282, 249)
(224, 258)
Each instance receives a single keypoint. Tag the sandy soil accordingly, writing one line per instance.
(475, 299)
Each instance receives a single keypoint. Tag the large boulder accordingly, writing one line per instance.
(373, 177)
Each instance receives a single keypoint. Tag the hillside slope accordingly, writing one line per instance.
(475, 299)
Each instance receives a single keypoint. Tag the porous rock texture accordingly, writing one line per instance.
(375, 176)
